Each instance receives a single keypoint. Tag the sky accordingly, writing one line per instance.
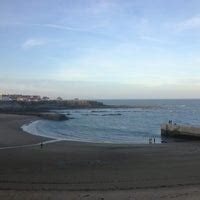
(100, 49)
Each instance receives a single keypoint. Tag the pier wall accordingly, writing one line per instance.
(171, 130)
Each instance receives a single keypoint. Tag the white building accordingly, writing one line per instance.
(17, 97)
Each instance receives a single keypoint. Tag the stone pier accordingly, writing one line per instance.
(174, 130)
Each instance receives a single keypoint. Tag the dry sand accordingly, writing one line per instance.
(74, 170)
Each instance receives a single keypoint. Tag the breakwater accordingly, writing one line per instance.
(174, 130)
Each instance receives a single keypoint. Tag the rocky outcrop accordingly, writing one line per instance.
(42, 106)
(53, 116)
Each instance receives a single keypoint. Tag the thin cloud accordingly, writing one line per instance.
(30, 43)
(191, 23)
(72, 29)
(152, 39)
(55, 26)
(67, 28)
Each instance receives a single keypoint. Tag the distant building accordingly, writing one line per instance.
(5, 97)
(35, 98)
(19, 97)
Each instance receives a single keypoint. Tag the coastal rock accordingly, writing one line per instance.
(43, 106)
(54, 116)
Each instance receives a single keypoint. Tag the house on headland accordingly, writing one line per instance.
(19, 97)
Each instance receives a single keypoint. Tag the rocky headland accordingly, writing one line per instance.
(47, 109)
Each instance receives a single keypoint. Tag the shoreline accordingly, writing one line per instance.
(11, 133)
(29, 131)
(27, 138)
(88, 171)
(20, 137)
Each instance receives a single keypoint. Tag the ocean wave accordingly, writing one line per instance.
(112, 114)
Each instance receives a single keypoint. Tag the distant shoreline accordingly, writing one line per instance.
(22, 107)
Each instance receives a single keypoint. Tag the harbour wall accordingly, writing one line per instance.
(174, 130)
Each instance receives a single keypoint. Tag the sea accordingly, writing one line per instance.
(119, 125)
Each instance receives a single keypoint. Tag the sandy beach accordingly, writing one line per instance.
(11, 133)
(75, 170)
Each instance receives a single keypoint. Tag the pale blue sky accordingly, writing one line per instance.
(100, 48)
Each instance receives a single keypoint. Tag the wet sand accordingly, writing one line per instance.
(11, 133)
(75, 170)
